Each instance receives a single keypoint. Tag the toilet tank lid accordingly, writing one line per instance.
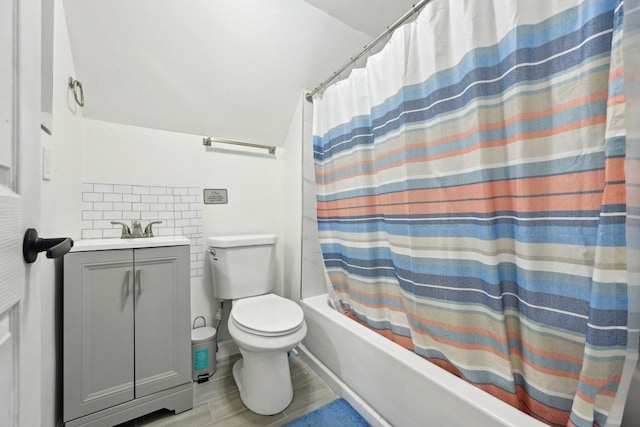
(242, 240)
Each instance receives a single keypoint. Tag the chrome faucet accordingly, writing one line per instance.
(136, 232)
(148, 231)
(126, 233)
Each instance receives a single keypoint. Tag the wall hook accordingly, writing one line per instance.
(78, 93)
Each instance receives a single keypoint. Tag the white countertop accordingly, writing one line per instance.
(116, 243)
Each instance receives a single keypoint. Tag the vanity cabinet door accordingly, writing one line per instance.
(162, 319)
(98, 341)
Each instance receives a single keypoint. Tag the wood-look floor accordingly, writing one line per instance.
(217, 402)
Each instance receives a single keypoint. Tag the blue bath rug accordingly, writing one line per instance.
(335, 414)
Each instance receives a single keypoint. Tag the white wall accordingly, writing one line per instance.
(60, 200)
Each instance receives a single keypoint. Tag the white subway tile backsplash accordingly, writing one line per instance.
(103, 188)
(113, 197)
(149, 215)
(180, 209)
(103, 206)
(158, 190)
(122, 207)
(188, 214)
(123, 189)
(92, 197)
(158, 206)
(130, 215)
(111, 233)
(182, 223)
(165, 232)
(149, 198)
(133, 198)
(91, 215)
(102, 224)
(113, 215)
(137, 189)
(189, 230)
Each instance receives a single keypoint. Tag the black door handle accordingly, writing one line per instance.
(32, 245)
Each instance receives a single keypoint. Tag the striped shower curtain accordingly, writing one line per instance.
(472, 200)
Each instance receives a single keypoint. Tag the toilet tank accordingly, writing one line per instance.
(242, 265)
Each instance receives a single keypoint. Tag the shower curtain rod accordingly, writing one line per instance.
(414, 9)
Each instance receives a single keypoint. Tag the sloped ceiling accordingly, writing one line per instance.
(224, 68)
(370, 17)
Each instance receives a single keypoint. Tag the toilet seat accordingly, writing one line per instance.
(267, 315)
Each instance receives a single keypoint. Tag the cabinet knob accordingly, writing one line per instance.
(32, 245)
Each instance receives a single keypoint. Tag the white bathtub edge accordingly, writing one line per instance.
(494, 411)
(342, 389)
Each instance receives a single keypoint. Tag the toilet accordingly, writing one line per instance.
(265, 326)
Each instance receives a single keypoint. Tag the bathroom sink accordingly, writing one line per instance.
(144, 242)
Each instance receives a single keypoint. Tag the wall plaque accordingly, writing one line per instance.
(215, 196)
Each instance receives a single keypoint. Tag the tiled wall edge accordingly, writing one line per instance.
(179, 209)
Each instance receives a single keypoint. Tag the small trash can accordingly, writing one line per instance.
(203, 346)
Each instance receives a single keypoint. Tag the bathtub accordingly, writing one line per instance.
(388, 384)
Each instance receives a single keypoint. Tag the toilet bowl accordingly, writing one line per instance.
(265, 326)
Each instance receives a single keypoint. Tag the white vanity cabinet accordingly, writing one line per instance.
(126, 330)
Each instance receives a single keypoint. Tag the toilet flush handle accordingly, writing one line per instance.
(211, 251)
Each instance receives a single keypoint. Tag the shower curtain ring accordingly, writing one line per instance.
(78, 92)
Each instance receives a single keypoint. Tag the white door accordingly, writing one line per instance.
(11, 270)
(19, 207)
